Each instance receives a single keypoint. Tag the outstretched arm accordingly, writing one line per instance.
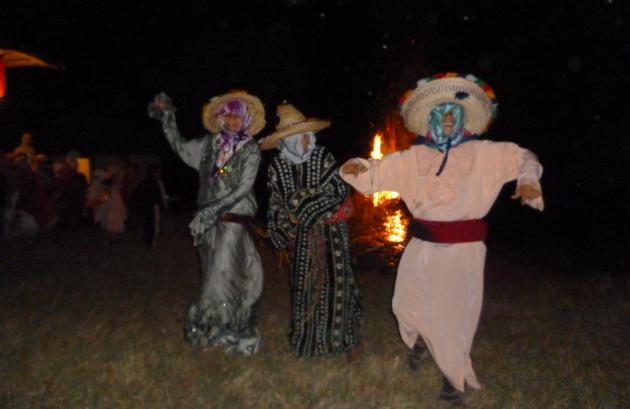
(521, 164)
(162, 109)
(368, 176)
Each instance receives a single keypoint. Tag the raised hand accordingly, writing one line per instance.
(161, 103)
(353, 168)
(526, 192)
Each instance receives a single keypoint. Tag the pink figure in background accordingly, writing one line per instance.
(113, 213)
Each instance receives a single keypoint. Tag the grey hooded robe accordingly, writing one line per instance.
(232, 274)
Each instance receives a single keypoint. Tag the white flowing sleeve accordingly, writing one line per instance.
(511, 162)
(387, 174)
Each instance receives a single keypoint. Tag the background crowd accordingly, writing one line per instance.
(39, 193)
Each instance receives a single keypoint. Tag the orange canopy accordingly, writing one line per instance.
(12, 59)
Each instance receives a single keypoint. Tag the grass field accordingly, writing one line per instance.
(84, 325)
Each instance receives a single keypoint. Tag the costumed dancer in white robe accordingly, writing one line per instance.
(227, 161)
(448, 181)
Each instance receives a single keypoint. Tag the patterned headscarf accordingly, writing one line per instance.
(230, 142)
(437, 139)
(233, 107)
(292, 149)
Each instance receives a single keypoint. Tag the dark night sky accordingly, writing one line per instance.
(559, 70)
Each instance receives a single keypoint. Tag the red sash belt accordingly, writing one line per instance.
(237, 218)
(460, 231)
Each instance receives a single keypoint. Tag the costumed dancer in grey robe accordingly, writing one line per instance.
(227, 161)
(308, 208)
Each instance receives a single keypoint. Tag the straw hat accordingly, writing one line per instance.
(291, 122)
(474, 95)
(255, 109)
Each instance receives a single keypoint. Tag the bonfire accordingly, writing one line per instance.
(395, 230)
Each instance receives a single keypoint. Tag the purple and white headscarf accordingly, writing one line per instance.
(233, 106)
(231, 142)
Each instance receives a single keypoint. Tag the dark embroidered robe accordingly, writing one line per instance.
(325, 307)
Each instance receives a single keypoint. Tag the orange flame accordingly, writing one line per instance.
(376, 146)
(395, 228)
(380, 197)
(395, 231)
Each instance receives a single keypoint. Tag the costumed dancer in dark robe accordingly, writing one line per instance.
(308, 208)
(227, 161)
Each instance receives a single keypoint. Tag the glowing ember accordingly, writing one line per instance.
(394, 227)
(380, 197)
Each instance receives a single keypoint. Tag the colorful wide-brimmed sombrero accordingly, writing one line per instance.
(291, 122)
(473, 94)
(255, 109)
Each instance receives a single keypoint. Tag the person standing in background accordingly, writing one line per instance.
(26, 148)
(150, 197)
(72, 190)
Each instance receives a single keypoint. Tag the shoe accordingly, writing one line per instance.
(418, 355)
(450, 394)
